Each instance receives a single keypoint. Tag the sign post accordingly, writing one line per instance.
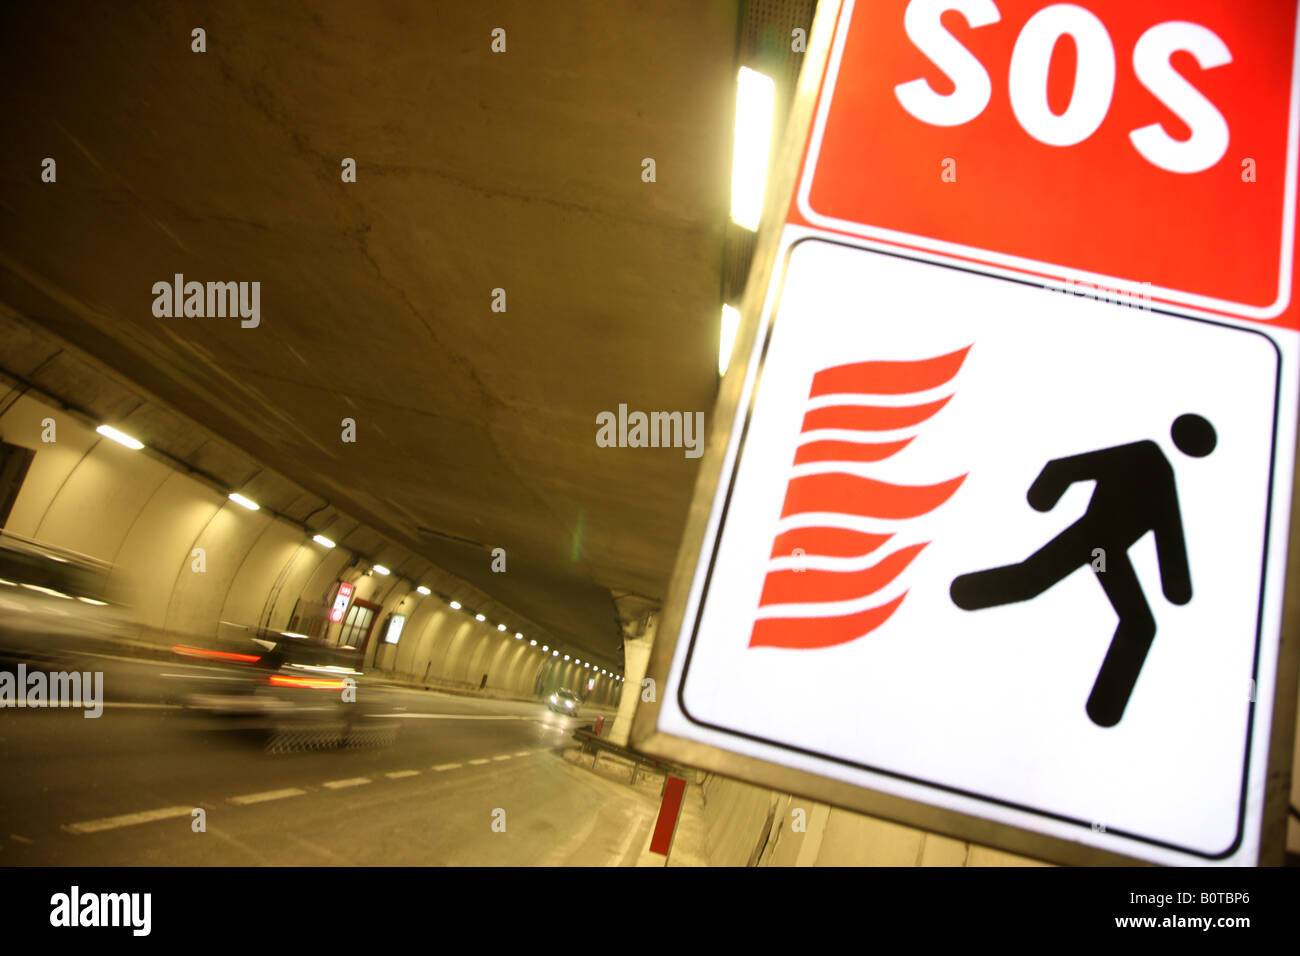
(991, 535)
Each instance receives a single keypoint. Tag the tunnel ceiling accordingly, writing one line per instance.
(475, 171)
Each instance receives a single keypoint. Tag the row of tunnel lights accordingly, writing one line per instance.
(135, 445)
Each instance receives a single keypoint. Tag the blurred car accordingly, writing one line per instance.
(53, 602)
(564, 702)
(266, 679)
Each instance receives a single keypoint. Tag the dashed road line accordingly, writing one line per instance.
(127, 820)
(167, 813)
(265, 795)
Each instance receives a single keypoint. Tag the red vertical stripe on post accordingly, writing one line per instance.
(600, 722)
(674, 790)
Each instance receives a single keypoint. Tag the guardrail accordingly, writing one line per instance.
(594, 744)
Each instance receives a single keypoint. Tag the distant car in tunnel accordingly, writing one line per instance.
(564, 702)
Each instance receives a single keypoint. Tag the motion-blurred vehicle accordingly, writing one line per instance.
(564, 702)
(53, 602)
(264, 679)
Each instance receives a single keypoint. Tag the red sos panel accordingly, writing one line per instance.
(1118, 144)
(342, 595)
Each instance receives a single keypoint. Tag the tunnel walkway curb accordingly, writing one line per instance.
(688, 848)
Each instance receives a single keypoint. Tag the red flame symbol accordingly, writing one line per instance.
(837, 492)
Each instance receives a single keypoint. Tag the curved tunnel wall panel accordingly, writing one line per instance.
(476, 664)
(54, 461)
(94, 508)
(256, 573)
(199, 597)
(291, 585)
(158, 547)
(414, 638)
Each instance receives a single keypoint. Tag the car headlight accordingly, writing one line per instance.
(569, 704)
(553, 698)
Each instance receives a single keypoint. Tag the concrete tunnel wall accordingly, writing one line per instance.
(746, 825)
(144, 517)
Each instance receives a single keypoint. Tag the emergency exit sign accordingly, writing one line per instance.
(341, 598)
(980, 554)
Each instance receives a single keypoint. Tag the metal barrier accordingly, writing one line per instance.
(594, 744)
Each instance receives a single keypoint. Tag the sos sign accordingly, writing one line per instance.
(1094, 80)
(1108, 141)
(341, 598)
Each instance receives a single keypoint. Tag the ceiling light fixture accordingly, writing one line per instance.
(122, 438)
(755, 104)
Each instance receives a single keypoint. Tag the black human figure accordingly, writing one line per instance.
(1134, 494)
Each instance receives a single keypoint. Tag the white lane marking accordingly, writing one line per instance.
(460, 716)
(20, 839)
(446, 766)
(350, 782)
(523, 753)
(503, 756)
(480, 761)
(396, 774)
(267, 795)
(633, 830)
(127, 820)
(202, 677)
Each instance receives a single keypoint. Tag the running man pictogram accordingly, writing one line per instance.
(1134, 494)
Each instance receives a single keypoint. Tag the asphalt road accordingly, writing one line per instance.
(464, 781)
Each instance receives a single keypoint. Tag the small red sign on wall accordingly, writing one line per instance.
(341, 599)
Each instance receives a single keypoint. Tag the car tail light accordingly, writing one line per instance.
(325, 683)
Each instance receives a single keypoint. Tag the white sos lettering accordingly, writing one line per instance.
(1094, 80)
